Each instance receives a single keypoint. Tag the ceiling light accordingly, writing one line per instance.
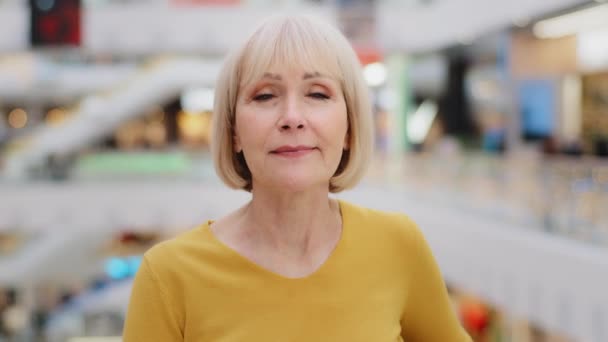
(56, 116)
(572, 23)
(17, 118)
(375, 74)
(591, 49)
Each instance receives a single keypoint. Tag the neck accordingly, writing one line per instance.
(293, 223)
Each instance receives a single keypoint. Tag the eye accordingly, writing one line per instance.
(263, 97)
(319, 96)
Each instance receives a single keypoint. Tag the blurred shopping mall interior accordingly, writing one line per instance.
(491, 132)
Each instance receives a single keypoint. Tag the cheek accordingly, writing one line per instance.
(244, 123)
(251, 131)
(337, 126)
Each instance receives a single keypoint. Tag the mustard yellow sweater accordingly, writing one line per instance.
(380, 284)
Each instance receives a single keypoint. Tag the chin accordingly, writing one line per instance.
(298, 184)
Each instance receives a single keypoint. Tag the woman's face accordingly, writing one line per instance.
(292, 127)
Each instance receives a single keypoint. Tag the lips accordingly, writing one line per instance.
(292, 149)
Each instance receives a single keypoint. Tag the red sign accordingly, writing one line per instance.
(55, 25)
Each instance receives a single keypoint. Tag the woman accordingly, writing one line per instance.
(292, 124)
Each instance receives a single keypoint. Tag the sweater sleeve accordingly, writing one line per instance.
(428, 315)
(150, 315)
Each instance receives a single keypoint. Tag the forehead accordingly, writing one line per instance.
(308, 57)
(279, 70)
(284, 74)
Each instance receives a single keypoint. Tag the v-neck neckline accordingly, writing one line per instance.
(327, 263)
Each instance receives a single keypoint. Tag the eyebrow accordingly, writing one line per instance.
(272, 76)
(306, 76)
(309, 75)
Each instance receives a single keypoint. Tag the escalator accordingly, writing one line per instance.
(99, 115)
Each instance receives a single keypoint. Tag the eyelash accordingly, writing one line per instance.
(263, 97)
(320, 96)
(267, 97)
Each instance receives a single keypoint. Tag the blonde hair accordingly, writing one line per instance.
(289, 40)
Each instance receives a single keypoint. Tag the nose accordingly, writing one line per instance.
(292, 116)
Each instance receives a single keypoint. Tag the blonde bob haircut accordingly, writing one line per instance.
(310, 44)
